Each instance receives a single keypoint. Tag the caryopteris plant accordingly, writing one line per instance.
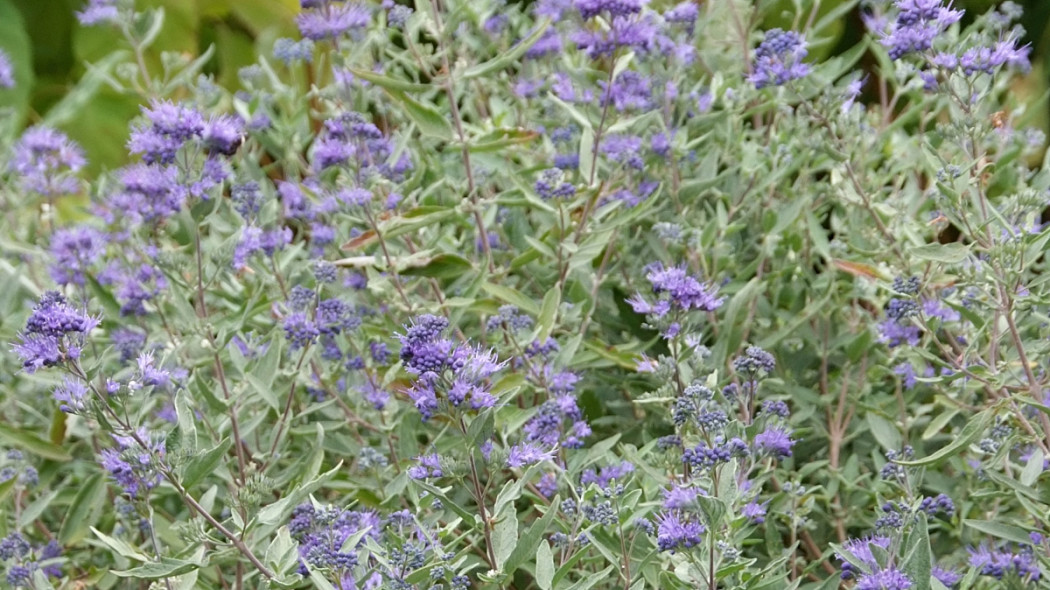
(563, 294)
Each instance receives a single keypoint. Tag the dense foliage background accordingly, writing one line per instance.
(567, 294)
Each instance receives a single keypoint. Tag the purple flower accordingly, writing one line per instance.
(988, 59)
(128, 342)
(222, 134)
(70, 395)
(169, 126)
(429, 466)
(509, 317)
(333, 20)
(54, 331)
(254, 240)
(640, 34)
(755, 360)
(774, 440)
(887, 579)
(548, 44)
(918, 23)
(628, 91)
(75, 250)
(676, 531)
(990, 561)
(680, 498)
(524, 454)
(754, 512)
(623, 149)
(150, 373)
(133, 467)
(603, 477)
(45, 161)
(136, 286)
(683, 13)
(99, 11)
(300, 330)
(946, 576)
(592, 8)
(778, 59)
(289, 50)
(151, 193)
(674, 288)
(323, 534)
(7, 71)
(860, 550)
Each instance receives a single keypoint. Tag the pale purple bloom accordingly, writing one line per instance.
(774, 440)
(548, 44)
(45, 161)
(887, 579)
(524, 454)
(918, 23)
(677, 532)
(75, 250)
(603, 477)
(778, 59)
(249, 345)
(946, 576)
(333, 20)
(860, 550)
(675, 289)
(754, 512)
(99, 11)
(7, 71)
(1001, 562)
(629, 91)
(678, 497)
(70, 395)
(592, 8)
(169, 127)
(222, 134)
(55, 331)
(289, 50)
(429, 466)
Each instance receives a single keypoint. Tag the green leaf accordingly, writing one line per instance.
(1033, 468)
(84, 510)
(505, 536)
(970, 432)
(939, 421)
(548, 313)
(73, 102)
(884, 431)
(429, 120)
(186, 421)
(918, 559)
(442, 266)
(155, 570)
(389, 83)
(265, 391)
(1007, 532)
(587, 159)
(16, 42)
(509, 57)
(526, 547)
(33, 443)
(952, 253)
(513, 296)
(279, 510)
(589, 581)
(544, 566)
(198, 467)
(120, 546)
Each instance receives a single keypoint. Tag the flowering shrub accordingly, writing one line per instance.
(579, 294)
